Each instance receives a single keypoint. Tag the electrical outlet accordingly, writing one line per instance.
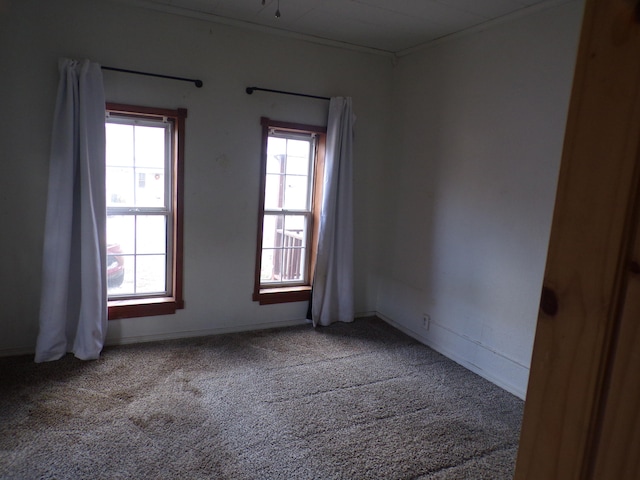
(426, 321)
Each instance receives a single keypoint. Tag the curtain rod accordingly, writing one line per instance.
(250, 90)
(197, 83)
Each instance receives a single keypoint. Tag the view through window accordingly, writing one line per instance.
(142, 180)
(138, 206)
(292, 164)
(287, 209)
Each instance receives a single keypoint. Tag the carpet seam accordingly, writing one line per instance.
(483, 454)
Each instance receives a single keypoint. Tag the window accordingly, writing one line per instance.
(144, 158)
(290, 197)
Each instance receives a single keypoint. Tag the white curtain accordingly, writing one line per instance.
(73, 304)
(332, 295)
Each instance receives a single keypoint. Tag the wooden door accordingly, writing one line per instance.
(618, 453)
(581, 414)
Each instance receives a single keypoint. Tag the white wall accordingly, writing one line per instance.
(222, 147)
(455, 182)
(479, 129)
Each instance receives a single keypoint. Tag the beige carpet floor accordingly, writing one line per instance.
(350, 401)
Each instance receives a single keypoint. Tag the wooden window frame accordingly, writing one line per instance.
(164, 305)
(299, 293)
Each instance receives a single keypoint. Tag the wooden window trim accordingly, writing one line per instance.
(270, 296)
(152, 306)
(300, 293)
(143, 307)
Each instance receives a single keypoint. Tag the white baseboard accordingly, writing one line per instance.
(202, 333)
(366, 314)
(506, 364)
(14, 352)
(10, 352)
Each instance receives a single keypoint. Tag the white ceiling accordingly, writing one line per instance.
(387, 26)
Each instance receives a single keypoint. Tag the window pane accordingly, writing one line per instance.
(119, 164)
(128, 287)
(292, 269)
(120, 186)
(268, 265)
(121, 232)
(119, 146)
(298, 157)
(293, 257)
(149, 146)
(296, 194)
(119, 276)
(272, 231)
(150, 158)
(152, 234)
(131, 269)
(273, 191)
(274, 164)
(295, 224)
(151, 273)
(276, 152)
(149, 184)
(283, 249)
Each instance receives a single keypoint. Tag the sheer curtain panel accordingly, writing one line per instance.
(332, 295)
(73, 306)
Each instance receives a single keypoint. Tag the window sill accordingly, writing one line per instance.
(145, 307)
(270, 296)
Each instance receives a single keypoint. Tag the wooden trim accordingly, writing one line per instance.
(263, 173)
(616, 455)
(317, 203)
(119, 309)
(270, 296)
(178, 208)
(150, 307)
(291, 126)
(139, 111)
(589, 244)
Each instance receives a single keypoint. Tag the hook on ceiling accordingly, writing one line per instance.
(277, 7)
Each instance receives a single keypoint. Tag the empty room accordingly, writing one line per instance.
(216, 363)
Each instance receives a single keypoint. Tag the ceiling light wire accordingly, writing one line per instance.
(277, 7)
